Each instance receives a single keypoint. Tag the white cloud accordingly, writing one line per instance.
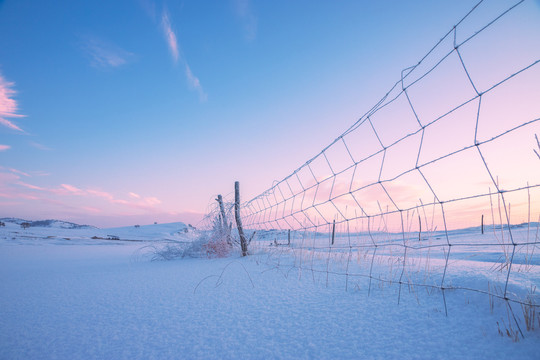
(174, 47)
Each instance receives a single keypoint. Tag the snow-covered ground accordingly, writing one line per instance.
(64, 295)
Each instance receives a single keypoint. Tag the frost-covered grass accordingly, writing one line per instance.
(95, 299)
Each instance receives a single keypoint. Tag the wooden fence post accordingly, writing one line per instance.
(224, 222)
(482, 224)
(419, 228)
(333, 231)
(289, 237)
(243, 241)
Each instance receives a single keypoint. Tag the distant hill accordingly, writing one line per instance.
(47, 223)
(172, 231)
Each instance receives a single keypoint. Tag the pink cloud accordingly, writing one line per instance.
(137, 203)
(30, 186)
(72, 189)
(11, 187)
(64, 189)
(100, 193)
(120, 201)
(4, 147)
(152, 201)
(133, 195)
(11, 194)
(6, 195)
(15, 171)
(7, 204)
(146, 204)
(170, 36)
(8, 105)
(9, 124)
(8, 178)
(91, 209)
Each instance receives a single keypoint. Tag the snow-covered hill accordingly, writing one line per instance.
(14, 231)
(50, 223)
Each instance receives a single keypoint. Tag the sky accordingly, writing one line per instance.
(116, 113)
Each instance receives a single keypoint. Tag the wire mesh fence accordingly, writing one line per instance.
(436, 187)
(441, 175)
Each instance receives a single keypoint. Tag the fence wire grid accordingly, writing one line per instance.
(441, 175)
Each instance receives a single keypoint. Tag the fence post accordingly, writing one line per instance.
(333, 231)
(482, 224)
(289, 237)
(419, 227)
(224, 222)
(243, 242)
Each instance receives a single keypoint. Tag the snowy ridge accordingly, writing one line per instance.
(176, 231)
(51, 223)
(61, 230)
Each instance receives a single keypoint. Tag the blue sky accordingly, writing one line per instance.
(140, 111)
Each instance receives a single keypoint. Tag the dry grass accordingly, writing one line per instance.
(530, 311)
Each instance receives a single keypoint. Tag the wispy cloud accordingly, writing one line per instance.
(23, 173)
(101, 194)
(15, 171)
(71, 189)
(145, 203)
(91, 209)
(6, 178)
(17, 196)
(39, 146)
(30, 186)
(133, 195)
(62, 200)
(8, 105)
(8, 191)
(170, 35)
(104, 54)
(194, 83)
(4, 147)
(243, 11)
(10, 124)
(151, 201)
(174, 48)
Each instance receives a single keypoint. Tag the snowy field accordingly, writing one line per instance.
(65, 295)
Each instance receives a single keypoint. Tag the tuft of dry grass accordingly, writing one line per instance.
(530, 311)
